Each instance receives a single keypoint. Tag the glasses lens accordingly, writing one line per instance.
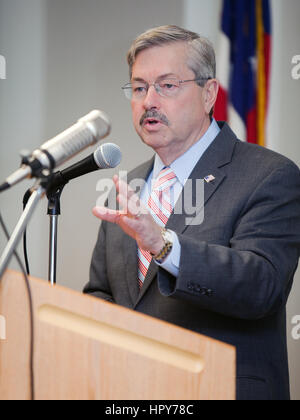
(127, 89)
(139, 89)
(169, 87)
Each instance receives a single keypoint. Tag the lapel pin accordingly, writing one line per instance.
(209, 178)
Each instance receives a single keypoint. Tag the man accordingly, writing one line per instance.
(228, 277)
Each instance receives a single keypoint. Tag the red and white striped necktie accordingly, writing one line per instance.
(161, 208)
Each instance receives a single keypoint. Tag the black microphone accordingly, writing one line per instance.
(106, 156)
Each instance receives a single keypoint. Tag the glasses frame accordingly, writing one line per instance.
(128, 87)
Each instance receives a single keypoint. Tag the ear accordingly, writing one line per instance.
(211, 90)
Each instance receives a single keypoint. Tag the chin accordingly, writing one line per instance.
(154, 140)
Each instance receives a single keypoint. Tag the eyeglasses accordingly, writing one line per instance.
(166, 87)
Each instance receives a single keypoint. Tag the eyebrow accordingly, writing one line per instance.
(163, 76)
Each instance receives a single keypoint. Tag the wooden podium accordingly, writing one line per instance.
(88, 349)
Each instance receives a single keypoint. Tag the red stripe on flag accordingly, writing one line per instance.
(252, 126)
(221, 111)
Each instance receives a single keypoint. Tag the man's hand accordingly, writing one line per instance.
(134, 219)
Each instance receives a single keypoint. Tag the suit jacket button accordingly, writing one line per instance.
(198, 288)
(190, 287)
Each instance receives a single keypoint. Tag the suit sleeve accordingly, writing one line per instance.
(98, 285)
(250, 278)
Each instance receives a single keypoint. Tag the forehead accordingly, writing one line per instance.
(156, 61)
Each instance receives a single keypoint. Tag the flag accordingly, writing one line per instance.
(209, 178)
(244, 61)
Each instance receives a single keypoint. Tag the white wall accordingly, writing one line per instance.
(65, 58)
(22, 107)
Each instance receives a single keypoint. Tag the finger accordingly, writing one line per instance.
(133, 206)
(115, 179)
(108, 215)
(124, 189)
(129, 206)
(123, 203)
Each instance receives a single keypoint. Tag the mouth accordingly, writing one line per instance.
(152, 125)
(151, 121)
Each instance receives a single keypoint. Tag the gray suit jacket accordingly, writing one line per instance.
(236, 268)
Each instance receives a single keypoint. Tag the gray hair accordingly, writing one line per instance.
(201, 57)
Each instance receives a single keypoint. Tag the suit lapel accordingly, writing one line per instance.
(216, 156)
(182, 217)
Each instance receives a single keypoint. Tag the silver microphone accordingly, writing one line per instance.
(86, 132)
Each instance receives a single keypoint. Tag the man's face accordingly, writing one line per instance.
(181, 120)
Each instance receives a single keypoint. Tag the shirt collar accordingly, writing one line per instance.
(184, 165)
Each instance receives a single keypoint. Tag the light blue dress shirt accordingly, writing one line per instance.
(182, 167)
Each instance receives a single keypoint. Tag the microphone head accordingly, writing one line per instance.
(108, 156)
(98, 122)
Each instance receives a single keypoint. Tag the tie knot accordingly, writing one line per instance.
(165, 180)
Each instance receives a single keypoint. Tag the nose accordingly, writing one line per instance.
(152, 99)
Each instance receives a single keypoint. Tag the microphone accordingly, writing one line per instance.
(86, 132)
(105, 157)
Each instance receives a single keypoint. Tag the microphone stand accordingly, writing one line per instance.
(53, 212)
(53, 195)
(38, 192)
